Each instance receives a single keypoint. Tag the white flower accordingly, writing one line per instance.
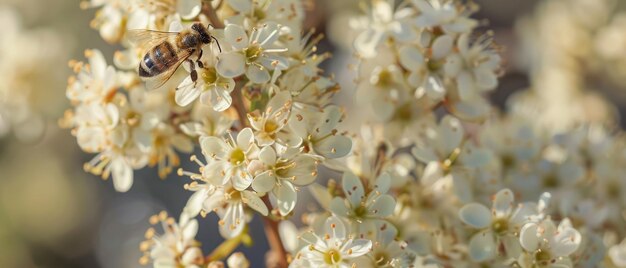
(282, 176)
(387, 251)
(334, 249)
(163, 155)
(384, 22)
(381, 86)
(474, 67)
(93, 82)
(317, 132)
(229, 159)
(176, 247)
(426, 72)
(446, 14)
(206, 122)
(548, 245)
(253, 55)
(226, 201)
(365, 209)
(118, 163)
(269, 124)
(498, 226)
(211, 87)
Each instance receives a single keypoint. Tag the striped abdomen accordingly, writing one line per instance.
(158, 60)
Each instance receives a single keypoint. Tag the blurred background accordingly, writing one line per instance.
(563, 59)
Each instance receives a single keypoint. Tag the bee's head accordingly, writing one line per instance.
(202, 31)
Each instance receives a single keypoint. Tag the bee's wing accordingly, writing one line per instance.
(148, 38)
(159, 80)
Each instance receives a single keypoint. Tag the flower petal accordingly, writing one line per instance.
(334, 146)
(565, 242)
(528, 237)
(353, 188)
(359, 247)
(253, 201)
(476, 215)
(264, 182)
(122, 174)
(335, 228)
(286, 197)
(257, 74)
(482, 246)
(231, 64)
(503, 202)
(245, 138)
(186, 92)
(383, 206)
(236, 36)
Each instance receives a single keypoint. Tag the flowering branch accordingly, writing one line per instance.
(406, 161)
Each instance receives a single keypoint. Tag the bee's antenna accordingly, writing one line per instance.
(218, 43)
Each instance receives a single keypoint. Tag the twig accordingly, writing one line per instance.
(209, 11)
(277, 256)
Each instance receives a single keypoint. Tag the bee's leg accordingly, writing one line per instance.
(198, 61)
(193, 73)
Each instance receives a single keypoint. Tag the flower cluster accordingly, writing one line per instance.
(25, 76)
(416, 181)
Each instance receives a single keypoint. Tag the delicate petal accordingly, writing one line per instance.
(565, 242)
(353, 188)
(335, 228)
(264, 182)
(257, 74)
(218, 97)
(442, 46)
(186, 92)
(358, 248)
(482, 246)
(383, 206)
(411, 58)
(236, 36)
(334, 146)
(196, 201)
(122, 174)
(189, 9)
(231, 64)
(245, 138)
(476, 215)
(528, 237)
(253, 201)
(503, 202)
(383, 183)
(286, 197)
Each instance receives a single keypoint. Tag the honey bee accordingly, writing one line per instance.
(169, 50)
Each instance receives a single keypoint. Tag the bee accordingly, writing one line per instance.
(169, 50)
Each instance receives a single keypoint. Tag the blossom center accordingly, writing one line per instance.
(385, 79)
(332, 256)
(381, 258)
(237, 156)
(209, 75)
(360, 212)
(270, 126)
(500, 226)
(253, 52)
(551, 181)
(543, 257)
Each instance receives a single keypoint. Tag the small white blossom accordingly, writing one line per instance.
(335, 248)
